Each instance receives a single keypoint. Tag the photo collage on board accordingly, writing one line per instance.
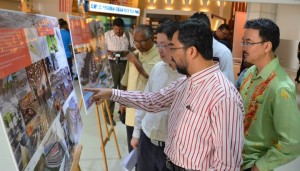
(90, 55)
(38, 104)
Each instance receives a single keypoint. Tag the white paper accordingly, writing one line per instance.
(129, 162)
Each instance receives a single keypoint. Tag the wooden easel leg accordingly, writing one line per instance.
(75, 165)
(112, 127)
(80, 103)
(104, 119)
(101, 139)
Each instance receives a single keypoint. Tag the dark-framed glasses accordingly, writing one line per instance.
(247, 44)
(172, 49)
(225, 33)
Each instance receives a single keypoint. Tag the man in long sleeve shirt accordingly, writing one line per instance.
(205, 129)
(272, 117)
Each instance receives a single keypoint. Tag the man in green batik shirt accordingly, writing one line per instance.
(272, 117)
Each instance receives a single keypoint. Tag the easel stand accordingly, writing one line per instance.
(108, 132)
(75, 165)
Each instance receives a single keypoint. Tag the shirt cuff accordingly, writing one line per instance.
(136, 133)
(116, 95)
(262, 164)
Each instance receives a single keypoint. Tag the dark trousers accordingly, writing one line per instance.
(129, 130)
(117, 71)
(70, 63)
(298, 75)
(150, 156)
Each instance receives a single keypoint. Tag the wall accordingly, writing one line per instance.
(287, 54)
(49, 8)
(288, 20)
(10, 5)
(240, 19)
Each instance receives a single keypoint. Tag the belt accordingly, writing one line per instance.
(118, 61)
(173, 167)
(158, 143)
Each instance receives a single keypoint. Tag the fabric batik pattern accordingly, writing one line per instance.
(253, 105)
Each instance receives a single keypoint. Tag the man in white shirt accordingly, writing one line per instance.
(150, 131)
(117, 44)
(220, 51)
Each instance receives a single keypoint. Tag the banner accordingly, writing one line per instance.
(91, 58)
(38, 105)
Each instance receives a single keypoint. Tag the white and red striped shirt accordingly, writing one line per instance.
(206, 119)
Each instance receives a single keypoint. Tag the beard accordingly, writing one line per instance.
(182, 70)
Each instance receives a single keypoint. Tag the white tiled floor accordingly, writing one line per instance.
(91, 157)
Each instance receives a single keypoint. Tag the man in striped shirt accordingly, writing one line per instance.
(205, 127)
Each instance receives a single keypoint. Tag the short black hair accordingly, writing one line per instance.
(63, 23)
(201, 16)
(268, 30)
(60, 21)
(118, 22)
(197, 33)
(224, 26)
(168, 28)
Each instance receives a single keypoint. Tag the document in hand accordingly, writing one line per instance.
(130, 160)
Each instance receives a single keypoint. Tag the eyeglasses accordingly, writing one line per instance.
(247, 44)
(161, 46)
(143, 42)
(225, 33)
(175, 48)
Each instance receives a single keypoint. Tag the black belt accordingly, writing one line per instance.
(158, 143)
(118, 61)
(173, 167)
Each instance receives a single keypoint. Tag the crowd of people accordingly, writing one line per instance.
(184, 112)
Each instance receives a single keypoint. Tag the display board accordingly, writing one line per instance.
(38, 106)
(90, 55)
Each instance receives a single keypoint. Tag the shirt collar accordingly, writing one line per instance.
(204, 74)
(149, 51)
(267, 70)
(113, 33)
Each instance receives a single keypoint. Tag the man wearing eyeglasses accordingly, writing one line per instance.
(150, 130)
(139, 65)
(205, 125)
(222, 34)
(271, 124)
(117, 43)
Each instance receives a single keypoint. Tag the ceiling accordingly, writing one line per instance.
(267, 1)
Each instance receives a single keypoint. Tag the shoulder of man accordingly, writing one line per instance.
(220, 48)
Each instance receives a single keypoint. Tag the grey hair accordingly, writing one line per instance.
(146, 29)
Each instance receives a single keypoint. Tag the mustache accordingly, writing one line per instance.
(173, 60)
(244, 53)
